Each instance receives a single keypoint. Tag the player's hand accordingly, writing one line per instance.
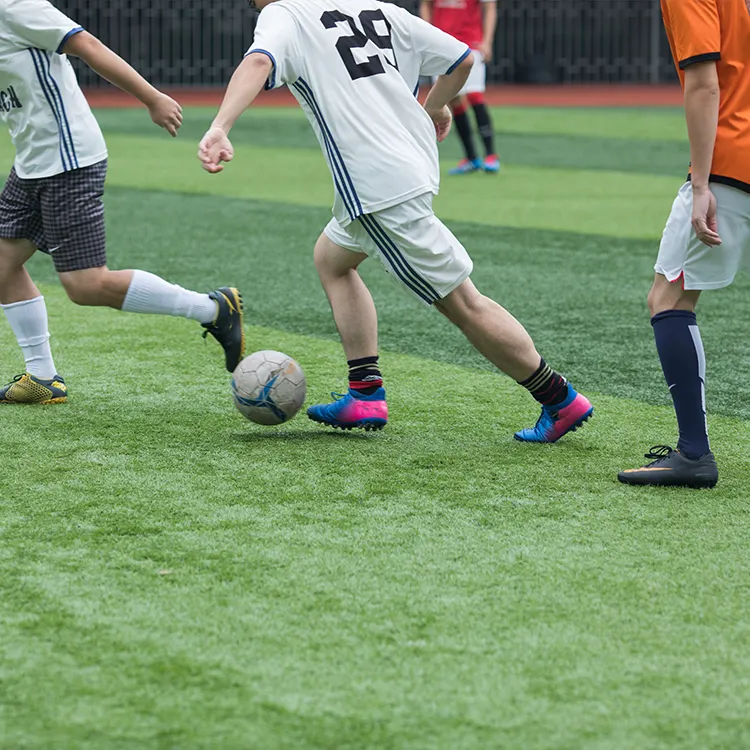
(214, 149)
(704, 217)
(443, 119)
(166, 113)
(485, 50)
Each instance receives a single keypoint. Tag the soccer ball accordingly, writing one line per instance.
(268, 387)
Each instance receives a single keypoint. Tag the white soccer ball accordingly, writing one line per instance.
(268, 387)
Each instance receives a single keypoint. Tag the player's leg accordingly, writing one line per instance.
(499, 337)
(492, 330)
(425, 256)
(684, 268)
(482, 115)
(73, 215)
(337, 258)
(351, 302)
(471, 161)
(21, 301)
(474, 89)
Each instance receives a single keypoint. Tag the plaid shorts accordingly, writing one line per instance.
(62, 215)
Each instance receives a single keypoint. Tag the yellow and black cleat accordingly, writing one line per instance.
(28, 389)
(228, 326)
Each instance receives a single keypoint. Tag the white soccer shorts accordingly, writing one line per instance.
(476, 83)
(683, 255)
(413, 245)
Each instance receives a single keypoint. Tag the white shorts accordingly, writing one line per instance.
(476, 83)
(683, 256)
(413, 245)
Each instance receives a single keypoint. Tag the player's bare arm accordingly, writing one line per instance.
(489, 25)
(164, 111)
(444, 91)
(702, 114)
(246, 83)
(425, 10)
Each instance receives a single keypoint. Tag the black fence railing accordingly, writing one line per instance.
(195, 43)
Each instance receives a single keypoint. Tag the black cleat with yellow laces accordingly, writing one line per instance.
(228, 326)
(669, 468)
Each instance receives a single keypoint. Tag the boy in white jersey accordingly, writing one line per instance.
(52, 199)
(354, 66)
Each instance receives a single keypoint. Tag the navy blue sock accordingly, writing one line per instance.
(680, 348)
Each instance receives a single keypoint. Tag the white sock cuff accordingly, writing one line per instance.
(151, 294)
(15, 305)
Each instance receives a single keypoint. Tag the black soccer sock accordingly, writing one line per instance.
(680, 348)
(364, 375)
(548, 387)
(463, 128)
(484, 124)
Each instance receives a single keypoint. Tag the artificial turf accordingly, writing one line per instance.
(175, 577)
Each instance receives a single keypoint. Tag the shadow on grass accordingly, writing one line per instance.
(301, 435)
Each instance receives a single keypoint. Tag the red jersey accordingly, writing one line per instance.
(461, 19)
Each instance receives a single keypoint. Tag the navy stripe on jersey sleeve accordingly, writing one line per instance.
(64, 41)
(271, 82)
(707, 57)
(458, 62)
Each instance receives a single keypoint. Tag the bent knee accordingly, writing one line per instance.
(85, 288)
(321, 253)
(665, 295)
(14, 254)
(333, 260)
(79, 294)
(463, 303)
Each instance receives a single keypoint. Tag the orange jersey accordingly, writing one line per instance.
(705, 30)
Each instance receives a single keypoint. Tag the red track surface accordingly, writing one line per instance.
(524, 96)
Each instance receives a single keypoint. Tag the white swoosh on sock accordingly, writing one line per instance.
(672, 386)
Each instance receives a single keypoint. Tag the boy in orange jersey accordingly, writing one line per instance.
(708, 231)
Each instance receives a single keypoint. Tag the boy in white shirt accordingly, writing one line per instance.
(354, 66)
(52, 199)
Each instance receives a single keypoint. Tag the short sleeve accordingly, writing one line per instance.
(440, 53)
(39, 24)
(276, 37)
(695, 30)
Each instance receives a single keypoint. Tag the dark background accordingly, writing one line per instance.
(198, 43)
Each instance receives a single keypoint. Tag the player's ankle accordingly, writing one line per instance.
(364, 376)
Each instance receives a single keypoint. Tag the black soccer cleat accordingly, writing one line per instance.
(228, 326)
(671, 469)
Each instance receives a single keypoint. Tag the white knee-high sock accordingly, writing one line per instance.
(151, 295)
(28, 319)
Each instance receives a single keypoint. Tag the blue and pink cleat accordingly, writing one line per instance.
(556, 421)
(491, 164)
(351, 410)
(466, 167)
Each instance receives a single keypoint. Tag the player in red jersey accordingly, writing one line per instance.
(472, 22)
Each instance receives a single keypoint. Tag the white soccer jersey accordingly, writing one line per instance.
(354, 66)
(50, 122)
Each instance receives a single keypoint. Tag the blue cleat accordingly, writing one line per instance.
(466, 167)
(556, 421)
(353, 410)
(491, 164)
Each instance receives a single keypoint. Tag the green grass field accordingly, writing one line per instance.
(174, 577)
